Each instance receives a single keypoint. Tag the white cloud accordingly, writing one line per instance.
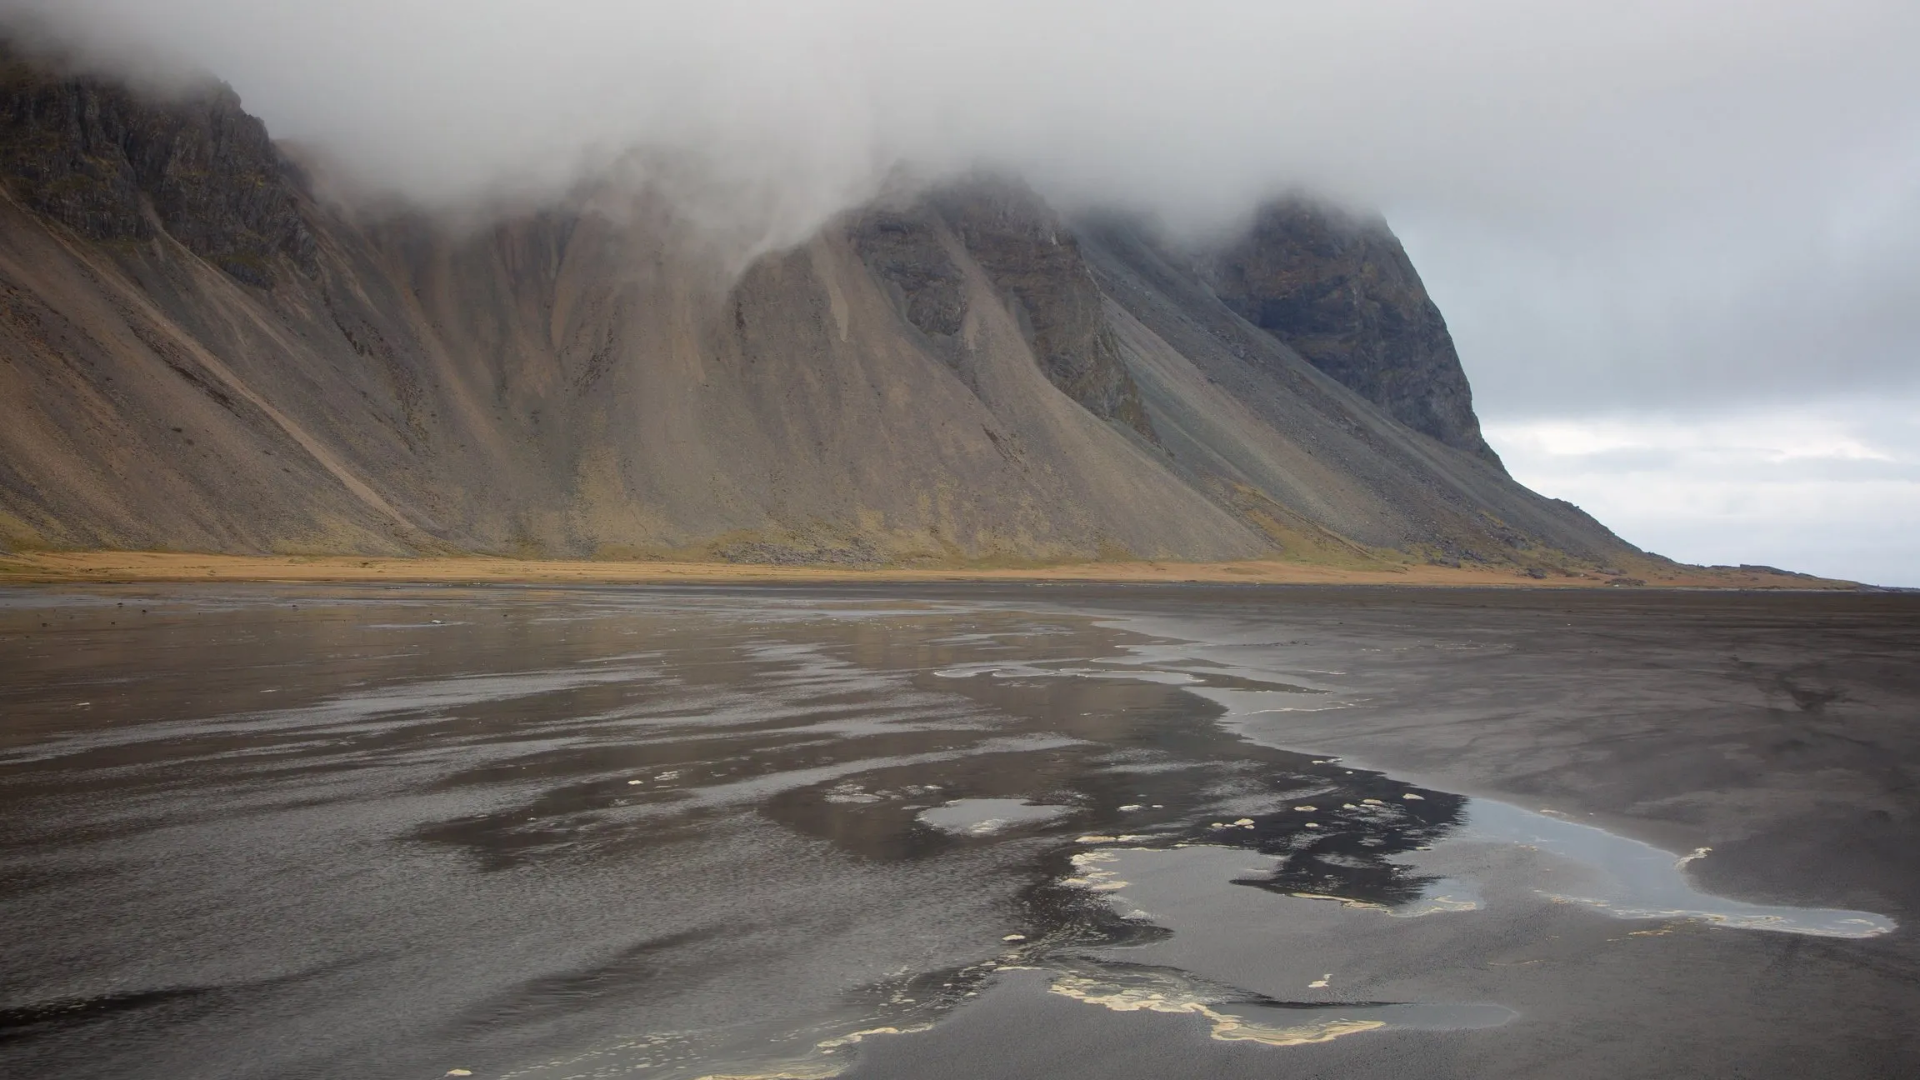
(1830, 487)
(1771, 437)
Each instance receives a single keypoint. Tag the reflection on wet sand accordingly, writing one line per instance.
(1633, 880)
(699, 833)
(983, 817)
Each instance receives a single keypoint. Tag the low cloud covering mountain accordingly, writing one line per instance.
(203, 351)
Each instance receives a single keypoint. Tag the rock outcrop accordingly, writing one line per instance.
(115, 166)
(1033, 258)
(196, 353)
(1338, 289)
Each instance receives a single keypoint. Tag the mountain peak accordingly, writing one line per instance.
(117, 165)
(1338, 288)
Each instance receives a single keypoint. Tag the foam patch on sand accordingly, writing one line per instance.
(1267, 1022)
(1094, 871)
(1226, 1027)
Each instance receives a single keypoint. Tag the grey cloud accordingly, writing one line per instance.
(1617, 202)
(1774, 304)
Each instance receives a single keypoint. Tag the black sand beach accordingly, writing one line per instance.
(936, 831)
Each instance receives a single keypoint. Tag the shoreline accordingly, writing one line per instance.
(130, 567)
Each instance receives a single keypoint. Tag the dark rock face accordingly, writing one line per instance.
(904, 250)
(1035, 261)
(113, 166)
(1340, 290)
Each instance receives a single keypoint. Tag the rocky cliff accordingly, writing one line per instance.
(1031, 258)
(196, 353)
(1338, 289)
(114, 166)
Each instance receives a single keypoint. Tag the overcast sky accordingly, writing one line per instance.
(1678, 241)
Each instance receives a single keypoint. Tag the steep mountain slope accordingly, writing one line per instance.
(196, 353)
(1339, 289)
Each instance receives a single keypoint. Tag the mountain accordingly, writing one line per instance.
(199, 353)
(1339, 290)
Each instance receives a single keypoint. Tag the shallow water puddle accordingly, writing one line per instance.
(1629, 879)
(984, 817)
(1635, 880)
(1280, 941)
(1212, 937)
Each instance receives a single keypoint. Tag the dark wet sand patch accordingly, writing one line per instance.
(443, 816)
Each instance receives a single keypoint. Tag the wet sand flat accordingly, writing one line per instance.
(932, 830)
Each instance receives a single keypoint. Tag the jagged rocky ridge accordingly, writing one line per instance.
(1339, 290)
(197, 353)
